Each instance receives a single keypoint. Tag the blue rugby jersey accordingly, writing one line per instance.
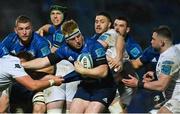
(95, 49)
(150, 56)
(38, 47)
(133, 49)
(3, 50)
(55, 36)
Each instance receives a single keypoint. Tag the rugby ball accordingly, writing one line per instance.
(86, 60)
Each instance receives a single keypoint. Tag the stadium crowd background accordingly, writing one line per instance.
(144, 14)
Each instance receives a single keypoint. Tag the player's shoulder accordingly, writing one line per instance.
(111, 31)
(39, 39)
(9, 59)
(170, 54)
(12, 36)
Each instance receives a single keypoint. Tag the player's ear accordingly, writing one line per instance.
(109, 26)
(128, 30)
(15, 30)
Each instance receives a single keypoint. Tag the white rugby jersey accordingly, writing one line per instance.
(111, 37)
(10, 68)
(169, 64)
(176, 92)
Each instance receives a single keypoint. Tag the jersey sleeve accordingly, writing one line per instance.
(44, 48)
(109, 37)
(57, 56)
(3, 50)
(169, 66)
(135, 51)
(98, 54)
(58, 39)
(51, 29)
(148, 55)
(9, 40)
(15, 69)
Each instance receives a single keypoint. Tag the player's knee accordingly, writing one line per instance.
(39, 105)
(39, 108)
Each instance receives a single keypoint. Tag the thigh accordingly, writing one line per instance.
(54, 93)
(4, 101)
(79, 105)
(71, 89)
(104, 96)
(95, 107)
(19, 96)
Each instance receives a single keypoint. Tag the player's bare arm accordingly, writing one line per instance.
(43, 29)
(37, 63)
(97, 72)
(36, 85)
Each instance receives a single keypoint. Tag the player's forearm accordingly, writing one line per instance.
(36, 63)
(45, 28)
(120, 48)
(155, 85)
(97, 72)
(39, 85)
(49, 70)
(136, 63)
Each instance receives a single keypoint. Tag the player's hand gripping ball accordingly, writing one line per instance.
(86, 60)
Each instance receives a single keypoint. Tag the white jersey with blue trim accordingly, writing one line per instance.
(169, 65)
(10, 68)
(110, 37)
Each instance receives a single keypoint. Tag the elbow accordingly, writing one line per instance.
(161, 88)
(105, 72)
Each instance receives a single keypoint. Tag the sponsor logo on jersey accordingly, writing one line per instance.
(71, 58)
(105, 100)
(17, 66)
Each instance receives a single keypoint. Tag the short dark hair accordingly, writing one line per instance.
(164, 31)
(25, 55)
(124, 18)
(105, 14)
(58, 7)
(22, 19)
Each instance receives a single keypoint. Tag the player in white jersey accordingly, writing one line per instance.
(12, 70)
(172, 55)
(56, 95)
(167, 70)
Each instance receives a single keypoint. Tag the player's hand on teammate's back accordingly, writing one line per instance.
(149, 76)
(131, 82)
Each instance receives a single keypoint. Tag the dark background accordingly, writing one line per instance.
(144, 14)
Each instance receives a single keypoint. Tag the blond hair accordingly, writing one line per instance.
(70, 29)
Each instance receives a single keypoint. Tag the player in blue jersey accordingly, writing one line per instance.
(148, 60)
(12, 70)
(133, 49)
(122, 25)
(108, 38)
(52, 32)
(24, 39)
(96, 90)
(57, 97)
